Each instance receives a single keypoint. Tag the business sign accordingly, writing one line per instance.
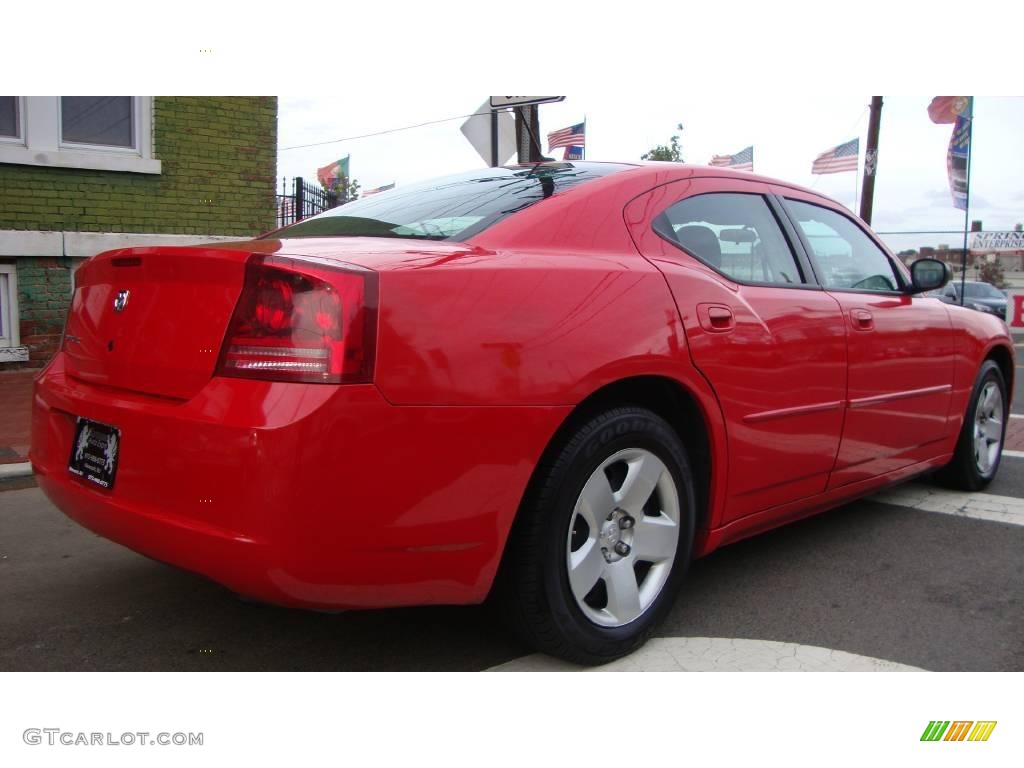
(994, 242)
(501, 102)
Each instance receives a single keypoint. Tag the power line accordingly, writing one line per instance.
(381, 133)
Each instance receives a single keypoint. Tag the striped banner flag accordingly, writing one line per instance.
(375, 190)
(573, 136)
(958, 110)
(741, 161)
(838, 159)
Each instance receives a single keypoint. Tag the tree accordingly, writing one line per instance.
(346, 190)
(992, 272)
(671, 153)
(908, 256)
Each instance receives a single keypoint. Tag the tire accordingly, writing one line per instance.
(562, 531)
(970, 469)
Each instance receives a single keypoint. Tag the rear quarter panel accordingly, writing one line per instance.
(518, 328)
(545, 309)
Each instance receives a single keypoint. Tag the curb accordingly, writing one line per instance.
(23, 469)
(717, 654)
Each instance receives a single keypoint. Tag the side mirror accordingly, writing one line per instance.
(929, 275)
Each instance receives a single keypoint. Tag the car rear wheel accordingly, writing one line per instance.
(603, 539)
(980, 445)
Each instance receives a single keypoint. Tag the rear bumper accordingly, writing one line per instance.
(300, 494)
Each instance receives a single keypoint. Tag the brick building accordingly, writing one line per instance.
(84, 174)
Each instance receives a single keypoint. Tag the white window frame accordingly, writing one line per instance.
(41, 143)
(18, 140)
(9, 306)
(134, 149)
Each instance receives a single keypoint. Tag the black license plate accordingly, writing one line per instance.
(94, 452)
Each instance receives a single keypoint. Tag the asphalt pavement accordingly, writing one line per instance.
(888, 582)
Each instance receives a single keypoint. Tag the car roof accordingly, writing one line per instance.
(657, 169)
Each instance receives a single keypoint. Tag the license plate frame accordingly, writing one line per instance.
(94, 452)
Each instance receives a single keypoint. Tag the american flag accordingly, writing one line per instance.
(573, 153)
(573, 136)
(741, 161)
(838, 159)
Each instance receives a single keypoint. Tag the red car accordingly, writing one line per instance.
(552, 385)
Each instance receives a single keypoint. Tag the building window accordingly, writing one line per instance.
(10, 117)
(8, 306)
(107, 121)
(105, 133)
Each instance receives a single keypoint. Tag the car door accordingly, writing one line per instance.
(771, 342)
(900, 347)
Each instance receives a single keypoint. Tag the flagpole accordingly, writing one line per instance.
(856, 181)
(584, 135)
(967, 201)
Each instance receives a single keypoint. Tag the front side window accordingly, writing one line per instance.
(107, 121)
(847, 258)
(734, 233)
(10, 120)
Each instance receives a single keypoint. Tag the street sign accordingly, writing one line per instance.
(477, 129)
(501, 102)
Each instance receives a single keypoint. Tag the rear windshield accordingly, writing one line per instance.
(451, 208)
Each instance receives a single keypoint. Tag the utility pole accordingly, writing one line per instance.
(528, 134)
(867, 194)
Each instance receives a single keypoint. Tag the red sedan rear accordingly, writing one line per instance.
(552, 384)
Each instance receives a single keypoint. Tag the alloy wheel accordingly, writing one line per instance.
(623, 537)
(988, 428)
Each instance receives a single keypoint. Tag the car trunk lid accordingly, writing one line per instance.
(152, 320)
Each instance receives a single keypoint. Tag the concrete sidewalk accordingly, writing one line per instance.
(15, 421)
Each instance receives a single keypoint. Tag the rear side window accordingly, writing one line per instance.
(735, 234)
(846, 256)
(451, 208)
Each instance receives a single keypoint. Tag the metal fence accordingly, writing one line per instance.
(300, 200)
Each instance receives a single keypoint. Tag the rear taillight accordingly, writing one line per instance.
(303, 320)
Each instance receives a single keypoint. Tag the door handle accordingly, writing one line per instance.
(862, 319)
(715, 318)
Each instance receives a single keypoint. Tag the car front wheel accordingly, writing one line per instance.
(603, 539)
(980, 445)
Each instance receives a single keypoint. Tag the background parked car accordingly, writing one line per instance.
(983, 297)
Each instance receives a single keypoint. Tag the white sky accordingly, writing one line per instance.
(785, 76)
(911, 189)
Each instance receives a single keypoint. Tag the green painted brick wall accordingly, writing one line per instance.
(218, 159)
